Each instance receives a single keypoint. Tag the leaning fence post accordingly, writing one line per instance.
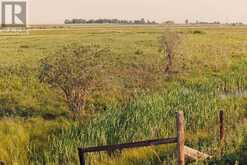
(81, 156)
(180, 139)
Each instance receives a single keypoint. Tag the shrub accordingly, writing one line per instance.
(74, 70)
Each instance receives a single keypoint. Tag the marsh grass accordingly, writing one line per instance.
(137, 102)
(152, 116)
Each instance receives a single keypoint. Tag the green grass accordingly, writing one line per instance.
(136, 102)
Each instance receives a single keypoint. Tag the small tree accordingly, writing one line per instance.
(168, 45)
(74, 70)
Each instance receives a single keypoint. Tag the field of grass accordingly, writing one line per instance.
(136, 101)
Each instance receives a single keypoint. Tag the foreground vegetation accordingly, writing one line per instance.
(134, 101)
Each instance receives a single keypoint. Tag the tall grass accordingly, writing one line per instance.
(204, 85)
(14, 142)
(151, 116)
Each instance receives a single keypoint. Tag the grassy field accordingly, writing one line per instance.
(136, 101)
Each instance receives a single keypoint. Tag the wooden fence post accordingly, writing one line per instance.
(81, 157)
(222, 132)
(222, 128)
(180, 139)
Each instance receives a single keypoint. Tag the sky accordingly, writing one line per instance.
(55, 11)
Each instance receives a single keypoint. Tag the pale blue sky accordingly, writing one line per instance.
(55, 11)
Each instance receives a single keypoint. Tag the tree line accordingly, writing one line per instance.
(108, 21)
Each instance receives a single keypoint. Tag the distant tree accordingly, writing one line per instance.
(186, 21)
(75, 21)
(149, 22)
(216, 22)
(74, 70)
(137, 22)
(168, 45)
(107, 21)
(115, 21)
(82, 21)
(67, 21)
(142, 21)
(90, 21)
(169, 22)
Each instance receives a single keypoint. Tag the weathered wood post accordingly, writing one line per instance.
(222, 132)
(81, 156)
(222, 128)
(180, 139)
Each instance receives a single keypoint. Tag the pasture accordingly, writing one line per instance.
(135, 101)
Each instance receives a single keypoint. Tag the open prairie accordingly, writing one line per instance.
(135, 100)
